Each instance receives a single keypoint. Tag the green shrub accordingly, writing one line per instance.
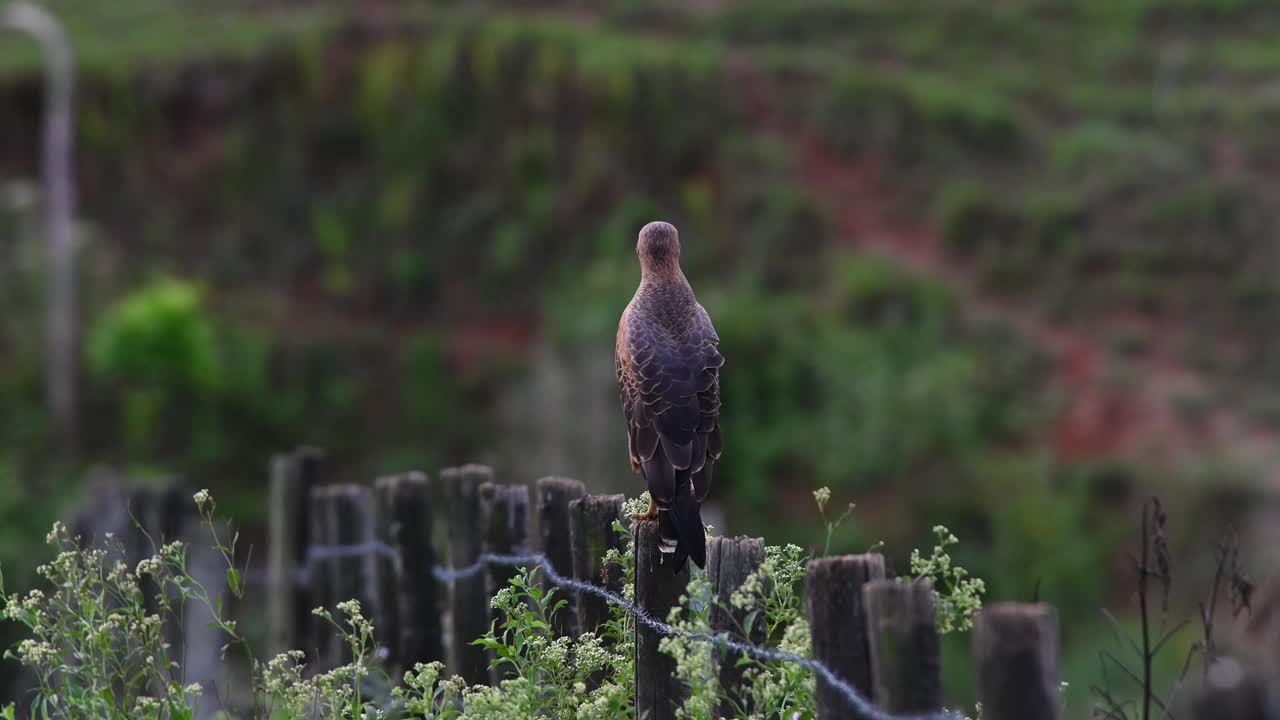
(159, 336)
(971, 218)
(959, 596)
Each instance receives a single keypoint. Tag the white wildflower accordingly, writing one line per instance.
(58, 532)
(148, 566)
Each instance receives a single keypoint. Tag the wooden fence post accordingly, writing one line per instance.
(833, 598)
(136, 546)
(554, 495)
(504, 513)
(468, 598)
(411, 600)
(157, 517)
(354, 576)
(319, 573)
(166, 518)
(387, 629)
(591, 534)
(906, 669)
(658, 589)
(1015, 647)
(201, 648)
(729, 562)
(288, 608)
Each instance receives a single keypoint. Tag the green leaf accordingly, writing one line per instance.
(233, 582)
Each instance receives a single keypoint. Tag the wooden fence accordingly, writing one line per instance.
(876, 633)
(384, 545)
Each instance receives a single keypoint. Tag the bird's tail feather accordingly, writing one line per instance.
(680, 529)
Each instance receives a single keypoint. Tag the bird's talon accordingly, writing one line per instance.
(649, 514)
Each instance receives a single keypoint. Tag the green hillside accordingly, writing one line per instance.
(355, 228)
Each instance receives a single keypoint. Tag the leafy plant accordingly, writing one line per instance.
(337, 694)
(93, 647)
(159, 337)
(550, 675)
(958, 596)
(1135, 664)
(822, 496)
(98, 652)
(770, 598)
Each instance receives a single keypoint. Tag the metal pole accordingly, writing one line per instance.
(59, 206)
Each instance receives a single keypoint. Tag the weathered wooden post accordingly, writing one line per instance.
(104, 510)
(161, 515)
(833, 598)
(387, 529)
(1015, 648)
(468, 598)
(157, 516)
(288, 608)
(136, 545)
(166, 516)
(201, 648)
(591, 534)
(410, 600)
(729, 562)
(163, 511)
(554, 495)
(355, 575)
(504, 514)
(658, 589)
(906, 668)
(320, 535)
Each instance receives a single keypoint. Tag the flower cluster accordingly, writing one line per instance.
(958, 596)
(97, 646)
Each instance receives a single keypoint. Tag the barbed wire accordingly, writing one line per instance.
(855, 700)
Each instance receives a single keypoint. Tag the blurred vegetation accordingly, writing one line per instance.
(295, 221)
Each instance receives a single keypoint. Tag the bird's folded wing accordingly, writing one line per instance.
(671, 400)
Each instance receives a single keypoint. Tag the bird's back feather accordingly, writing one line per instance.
(668, 365)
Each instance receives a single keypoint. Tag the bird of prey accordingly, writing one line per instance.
(669, 379)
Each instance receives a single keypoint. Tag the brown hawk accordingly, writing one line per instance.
(669, 379)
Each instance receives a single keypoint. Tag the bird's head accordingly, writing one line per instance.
(658, 246)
